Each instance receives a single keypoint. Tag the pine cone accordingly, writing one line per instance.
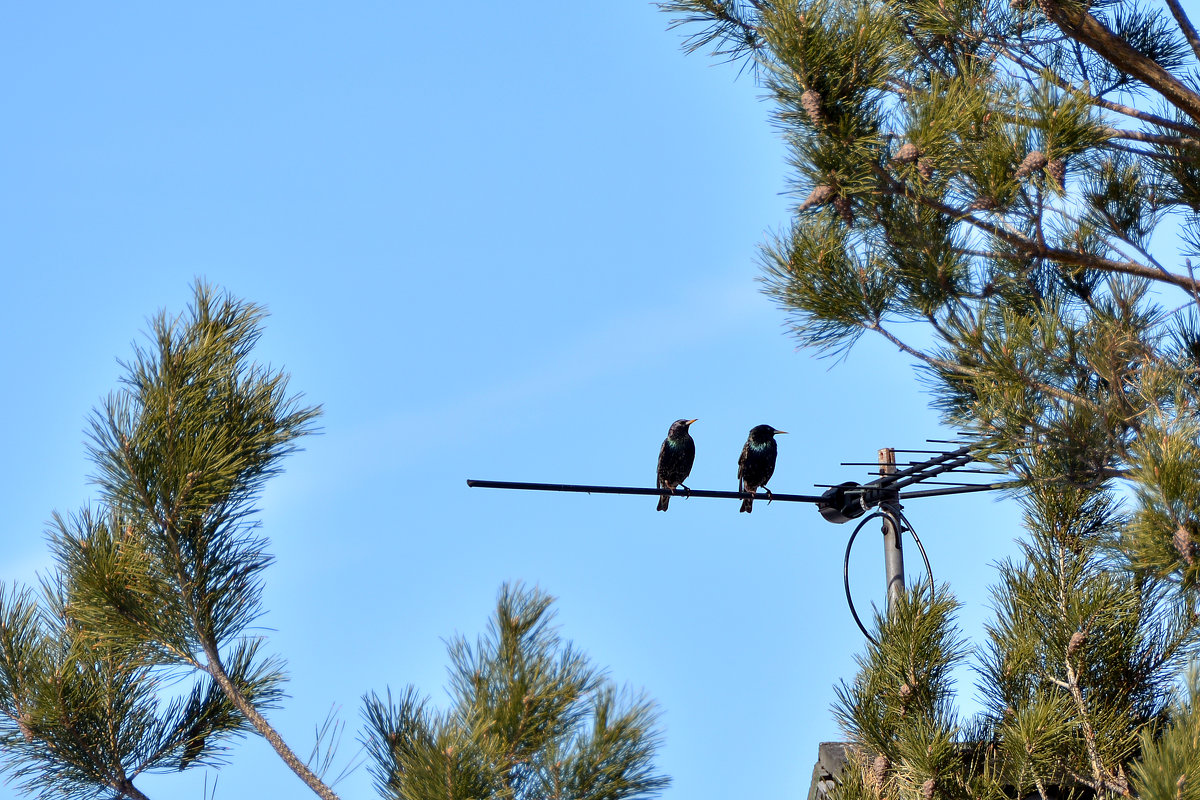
(818, 197)
(925, 167)
(907, 154)
(1032, 163)
(810, 101)
(842, 205)
(982, 203)
(1183, 544)
(879, 770)
(1057, 169)
(1076, 640)
(927, 789)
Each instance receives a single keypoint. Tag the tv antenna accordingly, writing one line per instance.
(879, 498)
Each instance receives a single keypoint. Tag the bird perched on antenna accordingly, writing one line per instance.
(675, 459)
(757, 463)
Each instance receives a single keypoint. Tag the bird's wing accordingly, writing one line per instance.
(742, 461)
(662, 462)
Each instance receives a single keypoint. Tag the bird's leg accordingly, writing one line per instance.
(687, 493)
(769, 496)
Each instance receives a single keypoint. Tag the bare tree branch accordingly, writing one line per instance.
(1029, 247)
(1100, 102)
(1086, 29)
(217, 670)
(1152, 138)
(1185, 25)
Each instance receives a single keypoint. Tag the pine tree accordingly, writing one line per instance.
(989, 175)
(160, 582)
(156, 587)
(531, 719)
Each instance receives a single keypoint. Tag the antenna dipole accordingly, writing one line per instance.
(841, 503)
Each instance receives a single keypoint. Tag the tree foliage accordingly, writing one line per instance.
(1008, 191)
(994, 172)
(530, 719)
(138, 654)
(160, 581)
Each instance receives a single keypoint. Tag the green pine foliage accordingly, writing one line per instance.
(530, 719)
(81, 718)
(1171, 756)
(1083, 653)
(138, 654)
(899, 714)
(983, 183)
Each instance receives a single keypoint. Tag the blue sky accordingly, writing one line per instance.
(506, 241)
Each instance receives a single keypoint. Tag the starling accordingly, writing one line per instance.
(757, 463)
(675, 459)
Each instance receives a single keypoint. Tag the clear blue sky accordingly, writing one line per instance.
(498, 240)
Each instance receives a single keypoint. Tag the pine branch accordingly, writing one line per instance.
(531, 718)
(216, 669)
(1100, 102)
(1031, 248)
(731, 34)
(1148, 155)
(125, 788)
(1185, 25)
(1081, 26)
(959, 369)
(1152, 138)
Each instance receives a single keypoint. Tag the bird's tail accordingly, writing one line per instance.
(747, 505)
(663, 500)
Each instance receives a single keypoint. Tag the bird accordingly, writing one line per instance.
(675, 459)
(757, 463)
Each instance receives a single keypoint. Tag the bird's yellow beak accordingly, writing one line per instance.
(781, 431)
(690, 421)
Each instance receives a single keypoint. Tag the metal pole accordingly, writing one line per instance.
(893, 549)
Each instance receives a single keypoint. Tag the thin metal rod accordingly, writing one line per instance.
(873, 464)
(957, 489)
(989, 487)
(569, 487)
(933, 466)
(898, 480)
(783, 498)
(916, 476)
(957, 470)
(923, 480)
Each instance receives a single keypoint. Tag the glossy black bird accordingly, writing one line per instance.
(675, 459)
(757, 463)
